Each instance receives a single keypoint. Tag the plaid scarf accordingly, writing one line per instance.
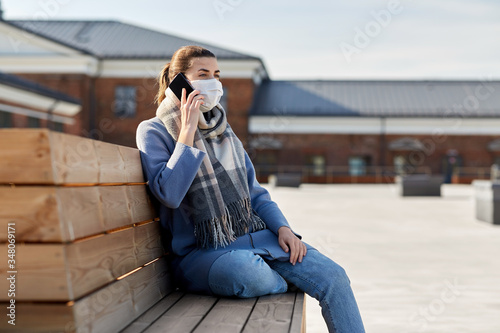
(218, 200)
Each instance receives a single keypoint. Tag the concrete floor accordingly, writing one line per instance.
(416, 264)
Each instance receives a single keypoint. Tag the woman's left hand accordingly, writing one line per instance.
(289, 242)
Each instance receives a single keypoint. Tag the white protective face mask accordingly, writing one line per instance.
(211, 90)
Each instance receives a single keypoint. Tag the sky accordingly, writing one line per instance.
(357, 39)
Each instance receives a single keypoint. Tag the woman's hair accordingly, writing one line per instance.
(181, 61)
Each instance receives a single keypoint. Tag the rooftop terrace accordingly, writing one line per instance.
(416, 264)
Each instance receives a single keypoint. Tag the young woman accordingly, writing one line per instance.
(226, 234)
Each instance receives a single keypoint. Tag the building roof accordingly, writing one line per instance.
(27, 85)
(378, 98)
(116, 40)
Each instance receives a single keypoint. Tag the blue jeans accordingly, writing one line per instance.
(244, 274)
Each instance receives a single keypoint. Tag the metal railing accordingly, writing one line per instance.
(369, 174)
(475, 172)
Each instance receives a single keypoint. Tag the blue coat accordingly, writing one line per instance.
(170, 168)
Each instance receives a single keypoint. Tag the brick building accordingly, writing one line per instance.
(330, 131)
(111, 67)
(26, 104)
(369, 131)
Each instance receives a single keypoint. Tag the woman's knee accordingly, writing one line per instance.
(244, 274)
(339, 274)
(335, 274)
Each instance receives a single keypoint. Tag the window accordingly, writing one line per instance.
(400, 164)
(33, 122)
(125, 101)
(59, 127)
(316, 164)
(5, 119)
(266, 157)
(265, 162)
(358, 164)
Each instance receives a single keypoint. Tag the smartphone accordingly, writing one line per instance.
(178, 83)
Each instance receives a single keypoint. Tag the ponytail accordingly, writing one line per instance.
(163, 82)
(181, 61)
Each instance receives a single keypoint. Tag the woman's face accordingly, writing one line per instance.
(204, 68)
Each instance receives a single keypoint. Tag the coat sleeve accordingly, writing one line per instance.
(265, 207)
(169, 173)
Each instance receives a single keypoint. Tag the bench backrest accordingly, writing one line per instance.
(84, 237)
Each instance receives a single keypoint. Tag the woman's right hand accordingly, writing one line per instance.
(190, 113)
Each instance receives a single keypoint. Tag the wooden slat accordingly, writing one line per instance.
(80, 212)
(299, 314)
(272, 313)
(62, 214)
(114, 206)
(74, 160)
(40, 156)
(114, 308)
(111, 164)
(25, 155)
(140, 204)
(65, 272)
(40, 317)
(109, 309)
(228, 316)
(184, 315)
(34, 211)
(132, 160)
(40, 270)
(156, 311)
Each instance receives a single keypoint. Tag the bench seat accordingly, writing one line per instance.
(182, 312)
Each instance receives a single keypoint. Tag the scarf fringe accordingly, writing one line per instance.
(238, 219)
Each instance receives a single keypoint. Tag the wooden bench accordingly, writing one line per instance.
(87, 253)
